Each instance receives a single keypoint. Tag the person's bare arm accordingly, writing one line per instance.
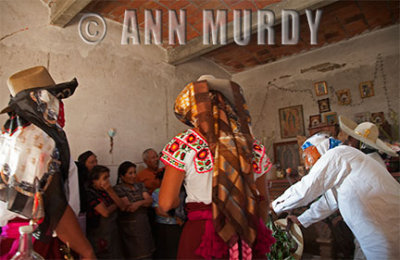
(160, 213)
(69, 231)
(146, 202)
(147, 199)
(117, 200)
(261, 184)
(104, 210)
(170, 188)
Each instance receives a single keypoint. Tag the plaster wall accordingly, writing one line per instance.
(126, 87)
(344, 65)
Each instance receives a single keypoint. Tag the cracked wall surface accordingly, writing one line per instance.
(128, 88)
(289, 82)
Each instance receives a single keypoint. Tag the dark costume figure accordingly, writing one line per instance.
(34, 159)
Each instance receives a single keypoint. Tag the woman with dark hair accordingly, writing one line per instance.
(134, 222)
(102, 230)
(86, 162)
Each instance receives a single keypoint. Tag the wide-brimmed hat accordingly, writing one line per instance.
(219, 85)
(38, 77)
(365, 132)
(297, 236)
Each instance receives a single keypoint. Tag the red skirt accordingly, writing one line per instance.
(192, 233)
(200, 241)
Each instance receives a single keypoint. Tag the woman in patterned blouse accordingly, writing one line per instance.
(222, 167)
(134, 223)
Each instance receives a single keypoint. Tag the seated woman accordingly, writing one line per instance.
(103, 202)
(134, 222)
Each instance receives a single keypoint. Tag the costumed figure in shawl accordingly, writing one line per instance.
(34, 165)
(344, 178)
(222, 167)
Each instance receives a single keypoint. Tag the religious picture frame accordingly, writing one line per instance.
(291, 121)
(362, 117)
(287, 155)
(331, 118)
(321, 88)
(323, 105)
(367, 89)
(315, 120)
(344, 97)
(378, 118)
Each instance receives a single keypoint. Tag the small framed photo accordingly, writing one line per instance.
(292, 121)
(321, 88)
(367, 89)
(362, 117)
(331, 118)
(323, 105)
(315, 120)
(378, 118)
(287, 154)
(343, 96)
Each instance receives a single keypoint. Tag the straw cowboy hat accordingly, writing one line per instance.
(365, 132)
(38, 77)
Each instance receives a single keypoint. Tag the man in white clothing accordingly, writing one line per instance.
(367, 196)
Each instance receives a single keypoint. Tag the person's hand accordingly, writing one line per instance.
(273, 213)
(179, 221)
(105, 185)
(133, 207)
(294, 219)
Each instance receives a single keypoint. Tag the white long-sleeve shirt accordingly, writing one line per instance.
(367, 196)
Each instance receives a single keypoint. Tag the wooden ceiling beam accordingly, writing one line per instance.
(63, 11)
(195, 47)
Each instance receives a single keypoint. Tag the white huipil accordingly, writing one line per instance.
(367, 196)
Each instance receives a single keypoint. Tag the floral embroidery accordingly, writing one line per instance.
(261, 163)
(191, 138)
(175, 152)
(174, 147)
(202, 154)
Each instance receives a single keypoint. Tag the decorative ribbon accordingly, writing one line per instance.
(365, 135)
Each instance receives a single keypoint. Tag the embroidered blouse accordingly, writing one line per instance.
(190, 153)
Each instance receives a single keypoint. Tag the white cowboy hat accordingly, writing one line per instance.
(221, 85)
(297, 236)
(365, 132)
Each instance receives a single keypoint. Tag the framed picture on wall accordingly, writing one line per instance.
(315, 120)
(367, 89)
(331, 118)
(287, 155)
(362, 117)
(343, 96)
(321, 88)
(378, 118)
(291, 121)
(323, 105)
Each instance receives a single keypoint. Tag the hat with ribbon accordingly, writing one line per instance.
(365, 132)
(35, 78)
